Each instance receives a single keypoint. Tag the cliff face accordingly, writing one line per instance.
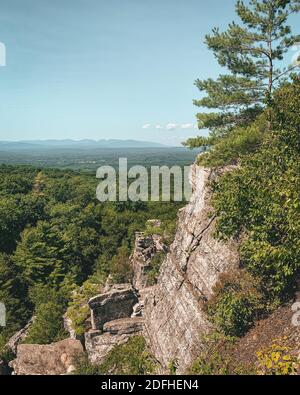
(144, 250)
(174, 317)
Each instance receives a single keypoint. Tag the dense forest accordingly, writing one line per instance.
(55, 236)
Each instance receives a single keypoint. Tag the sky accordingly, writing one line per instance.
(106, 69)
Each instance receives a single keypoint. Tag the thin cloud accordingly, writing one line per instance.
(187, 126)
(171, 126)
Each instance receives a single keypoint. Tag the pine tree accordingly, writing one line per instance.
(252, 53)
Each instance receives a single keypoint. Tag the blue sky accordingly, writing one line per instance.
(98, 69)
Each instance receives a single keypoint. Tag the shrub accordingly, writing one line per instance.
(50, 305)
(260, 200)
(84, 367)
(120, 266)
(131, 358)
(78, 311)
(236, 303)
(277, 360)
(231, 148)
(48, 325)
(156, 263)
(215, 358)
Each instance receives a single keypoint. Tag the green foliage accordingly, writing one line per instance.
(156, 263)
(16, 212)
(50, 305)
(236, 303)
(166, 230)
(251, 52)
(85, 368)
(215, 360)
(120, 266)
(58, 236)
(173, 366)
(78, 310)
(48, 325)
(260, 200)
(130, 358)
(13, 295)
(234, 146)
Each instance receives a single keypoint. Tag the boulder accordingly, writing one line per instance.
(99, 344)
(50, 359)
(117, 303)
(124, 326)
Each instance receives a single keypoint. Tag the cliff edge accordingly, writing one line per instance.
(174, 316)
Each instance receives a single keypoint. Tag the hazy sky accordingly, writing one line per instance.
(121, 69)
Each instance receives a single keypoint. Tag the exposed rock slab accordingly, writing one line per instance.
(99, 344)
(117, 303)
(51, 359)
(138, 309)
(174, 317)
(124, 326)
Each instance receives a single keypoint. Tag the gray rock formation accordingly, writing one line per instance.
(146, 246)
(124, 326)
(138, 309)
(19, 337)
(69, 327)
(112, 321)
(174, 317)
(51, 359)
(117, 303)
(98, 344)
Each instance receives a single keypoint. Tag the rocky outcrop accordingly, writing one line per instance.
(19, 337)
(146, 246)
(138, 309)
(68, 326)
(124, 326)
(98, 344)
(51, 359)
(174, 317)
(114, 304)
(113, 320)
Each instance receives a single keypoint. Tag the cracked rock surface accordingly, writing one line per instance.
(174, 317)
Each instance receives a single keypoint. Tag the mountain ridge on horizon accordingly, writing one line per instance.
(82, 143)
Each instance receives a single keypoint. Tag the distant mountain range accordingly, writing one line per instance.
(75, 144)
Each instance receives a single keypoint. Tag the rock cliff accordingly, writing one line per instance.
(145, 248)
(174, 316)
(170, 314)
